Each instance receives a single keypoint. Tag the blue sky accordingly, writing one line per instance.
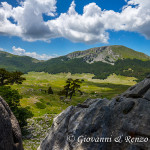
(39, 29)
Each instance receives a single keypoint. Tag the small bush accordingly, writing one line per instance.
(42, 100)
(40, 105)
(50, 91)
(22, 114)
(39, 119)
(48, 103)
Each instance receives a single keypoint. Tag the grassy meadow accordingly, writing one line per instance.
(42, 104)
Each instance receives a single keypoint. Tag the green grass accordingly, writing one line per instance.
(41, 103)
(126, 53)
(51, 104)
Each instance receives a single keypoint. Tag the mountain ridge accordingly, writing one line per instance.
(101, 62)
(118, 52)
(13, 62)
(108, 54)
(7, 54)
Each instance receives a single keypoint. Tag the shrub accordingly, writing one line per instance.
(12, 97)
(50, 91)
(40, 105)
(22, 114)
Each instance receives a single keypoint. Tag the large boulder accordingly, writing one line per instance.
(100, 124)
(10, 133)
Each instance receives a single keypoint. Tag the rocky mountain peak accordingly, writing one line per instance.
(108, 54)
(104, 54)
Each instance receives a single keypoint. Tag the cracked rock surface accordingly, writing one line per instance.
(10, 133)
(120, 124)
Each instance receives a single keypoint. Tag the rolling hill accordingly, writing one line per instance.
(14, 62)
(101, 61)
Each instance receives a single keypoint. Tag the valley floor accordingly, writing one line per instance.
(46, 106)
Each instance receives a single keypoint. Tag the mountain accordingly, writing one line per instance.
(108, 54)
(100, 61)
(14, 62)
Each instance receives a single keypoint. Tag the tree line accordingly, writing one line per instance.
(7, 77)
(126, 67)
(101, 70)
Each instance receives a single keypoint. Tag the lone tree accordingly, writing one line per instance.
(50, 91)
(10, 77)
(71, 87)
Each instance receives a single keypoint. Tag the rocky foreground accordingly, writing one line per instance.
(100, 124)
(10, 133)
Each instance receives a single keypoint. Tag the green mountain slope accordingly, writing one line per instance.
(127, 53)
(13, 62)
(101, 61)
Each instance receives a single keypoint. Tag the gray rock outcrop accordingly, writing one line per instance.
(104, 54)
(100, 124)
(10, 133)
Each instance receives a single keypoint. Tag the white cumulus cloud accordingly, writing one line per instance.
(1, 49)
(22, 52)
(86, 28)
(90, 27)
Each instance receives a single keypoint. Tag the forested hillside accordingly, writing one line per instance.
(119, 60)
(14, 62)
(127, 67)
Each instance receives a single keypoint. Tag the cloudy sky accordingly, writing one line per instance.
(48, 28)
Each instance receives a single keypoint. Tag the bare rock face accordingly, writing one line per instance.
(10, 133)
(99, 124)
(104, 54)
